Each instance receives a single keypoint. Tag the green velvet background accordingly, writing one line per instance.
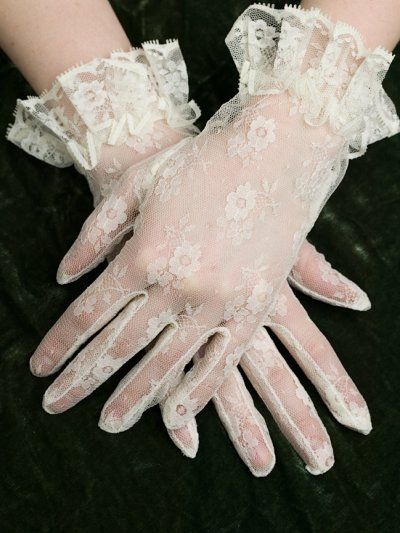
(61, 473)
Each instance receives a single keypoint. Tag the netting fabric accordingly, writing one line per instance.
(110, 113)
(218, 223)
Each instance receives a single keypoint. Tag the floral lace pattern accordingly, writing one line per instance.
(217, 234)
(237, 225)
(271, 49)
(253, 295)
(109, 113)
(250, 147)
(180, 263)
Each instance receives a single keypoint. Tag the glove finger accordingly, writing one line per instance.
(151, 380)
(102, 231)
(133, 329)
(92, 310)
(245, 425)
(288, 402)
(314, 276)
(186, 438)
(221, 354)
(318, 360)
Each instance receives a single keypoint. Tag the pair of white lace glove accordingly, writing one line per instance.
(219, 221)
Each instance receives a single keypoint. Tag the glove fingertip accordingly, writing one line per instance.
(186, 439)
(63, 278)
(359, 421)
(361, 302)
(264, 465)
(317, 471)
(69, 269)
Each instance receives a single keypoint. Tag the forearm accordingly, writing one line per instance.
(46, 37)
(377, 21)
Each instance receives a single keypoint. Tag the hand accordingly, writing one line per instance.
(314, 276)
(277, 385)
(311, 274)
(242, 314)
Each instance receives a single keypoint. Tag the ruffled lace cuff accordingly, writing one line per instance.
(327, 71)
(106, 101)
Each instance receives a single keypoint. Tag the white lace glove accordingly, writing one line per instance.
(31, 132)
(110, 113)
(266, 369)
(192, 287)
(277, 385)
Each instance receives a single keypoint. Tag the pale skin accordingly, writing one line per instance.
(46, 37)
(378, 21)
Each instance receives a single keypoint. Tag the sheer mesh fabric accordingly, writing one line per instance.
(108, 114)
(218, 224)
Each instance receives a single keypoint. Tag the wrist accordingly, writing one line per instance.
(377, 22)
(105, 115)
(330, 76)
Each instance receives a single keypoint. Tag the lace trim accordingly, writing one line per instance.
(329, 74)
(105, 102)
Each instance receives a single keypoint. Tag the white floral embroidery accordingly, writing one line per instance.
(157, 272)
(270, 360)
(256, 302)
(345, 290)
(237, 224)
(232, 360)
(302, 395)
(318, 168)
(86, 306)
(185, 260)
(261, 133)
(155, 324)
(238, 232)
(175, 79)
(327, 273)
(186, 408)
(264, 34)
(89, 95)
(324, 454)
(170, 177)
(142, 144)
(266, 357)
(250, 440)
(240, 202)
(112, 214)
(359, 412)
(247, 309)
(235, 309)
(100, 373)
(182, 261)
(110, 288)
(248, 146)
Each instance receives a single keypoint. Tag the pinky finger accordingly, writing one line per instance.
(186, 438)
(313, 275)
(245, 425)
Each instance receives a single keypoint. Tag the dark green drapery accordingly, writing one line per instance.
(62, 474)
